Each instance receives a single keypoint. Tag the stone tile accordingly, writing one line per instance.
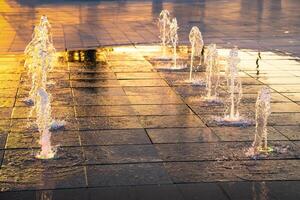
(291, 132)
(284, 189)
(114, 137)
(221, 151)
(219, 109)
(184, 172)
(31, 140)
(20, 195)
(115, 91)
(247, 190)
(41, 174)
(191, 172)
(143, 83)
(94, 123)
(170, 121)
(244, 133)
(5, 113)
(275, 98)
(93, 75)
(8, 93)
(25, 125)
(162, 192)
(121, 154)
(4, 126)
(57, 112)
(127, 174)
(161, 110)
(101, 100)
(285, 107)
(104, 111)
(181, 135)
(284, 119)
(186, 91)
(286, 88)
(267, 190)
(200, 191)
(142, 91)
(292, 96)
(59, 97)
(95, 83)
(7, 102)
(155, 99)
(150, 75)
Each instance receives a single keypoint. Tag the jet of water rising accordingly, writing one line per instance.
(234, 85)
(174, 39)
(39, 57)
(212, 72)
(164, 26)
(263, 110)
(43, 120)
(196, 41)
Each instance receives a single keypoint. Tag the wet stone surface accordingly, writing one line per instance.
(137, 132)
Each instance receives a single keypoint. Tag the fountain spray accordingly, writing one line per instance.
(212, 73)
(263, 111)
(40, 57)
(174, 39)
(164, 26)
(234, 85)
(196, 41)
(43, 115)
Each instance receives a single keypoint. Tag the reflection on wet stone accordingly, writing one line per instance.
(134, 130)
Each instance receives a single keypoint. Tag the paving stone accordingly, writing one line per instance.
(41, 174)
(283, 119)
(4, 126)
(20, 195)
(88, 76)
(178, 121)
(57, 112)
(291, 132)
(143, 83)
(5, 113)
(138, 75)
(161, 110)
(200, 191)
(95, 83)
(127, 174)
(292, 96)
(121, 154)
(244, 133)
(98, 111)
(101, 100)
(162, 192)
(114, 91)
(8, 93)
(29, 125)
(98, 123)
(6, 102)
(184, 172)
(31, 140)
(139, 91)
(267, 190)
(155, 99)
(114, 137)
(181, 135)
(222, 151)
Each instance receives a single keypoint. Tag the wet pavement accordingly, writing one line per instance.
(266, 25)
(134, 131)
